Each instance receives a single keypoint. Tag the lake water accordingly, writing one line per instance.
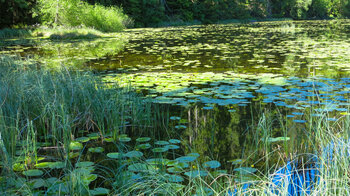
(235, 92)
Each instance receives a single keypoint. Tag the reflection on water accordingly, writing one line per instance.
(243, 92)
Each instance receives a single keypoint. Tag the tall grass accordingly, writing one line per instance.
(55, 107)
(79, 13)
(7, 33)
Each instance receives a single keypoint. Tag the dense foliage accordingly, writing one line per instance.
(77, 13)
(94, 13)
(152, 12)
(15, 12)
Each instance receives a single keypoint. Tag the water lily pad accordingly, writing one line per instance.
(245, 170)
(175, 118)
(82, 139)
(33, 172)
(109, 139)
(157, 161)
(143, 139)
(99, 191)
(93, 136)
(96, 150)
(180, 127)
(172, 147)
(134, 154)
(84, 164)
(124, 139)
(73, 155)
(52, 165)
(174, 178)
(196, 173)
(115, 155)
(174, 141)
(141, 167)
(236, 161)
(144, 146)
(160, 149)
(212, 164)
(75, 146)
(161, 143)
(38, 183)
(193, 154)
(186, 159)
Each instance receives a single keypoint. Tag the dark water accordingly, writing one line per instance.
(245, 92)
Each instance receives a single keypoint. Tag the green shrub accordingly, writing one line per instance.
(77, 13)
(13, 33)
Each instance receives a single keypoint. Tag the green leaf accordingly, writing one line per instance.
(172, 147)
(159, 150)
(174, 141)
(161, 143)
(75, 146)
(196, 173)
(93, 136)
(245, 170)
(124, 139)
(84, 164)
(143, 139)
(96, 150)
(144, 146)
(134, 154)
(33, 172)
(141, 167)
(212, 164)
(99, 191)
(186, 159)
(174, 178)
(82, 139)
(115, 155)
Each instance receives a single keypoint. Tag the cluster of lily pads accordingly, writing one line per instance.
(136, 160)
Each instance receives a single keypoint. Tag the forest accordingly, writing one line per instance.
(146, 13)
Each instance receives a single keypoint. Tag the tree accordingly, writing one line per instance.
(15, 12)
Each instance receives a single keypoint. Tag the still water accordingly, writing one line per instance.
(237, 93)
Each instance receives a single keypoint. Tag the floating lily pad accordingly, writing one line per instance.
(160, 149)
(134, 154)
(175, 118)
(96, 150)
(82, 139)
(124, 139)
(186, 159)
(174, 141)
(161, 143)
(172, 147)
(99, 191)
(38, 183)
(174, 178)
(180, 127)
(143, 139)
(115, 155)
(84, 164)
(196, 173)
(144, 146)
(211, 164)
(109, 139)
(141, 167)
(245, 170)
(75, 146)
(93, 136)
(33, 172)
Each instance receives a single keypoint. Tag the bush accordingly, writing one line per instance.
(77, 13)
